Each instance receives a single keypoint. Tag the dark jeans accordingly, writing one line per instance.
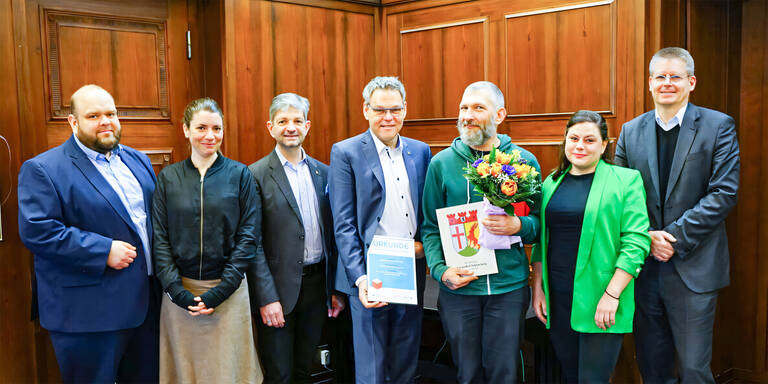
(485, 334)
(672, 324)
(287, 353)
(584, 357)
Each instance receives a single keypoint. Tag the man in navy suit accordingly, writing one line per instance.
(84, 214)
(376, 181)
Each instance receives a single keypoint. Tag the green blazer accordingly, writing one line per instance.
(614, 234)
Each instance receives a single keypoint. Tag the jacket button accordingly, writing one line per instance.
(301, 236)
(300, 262)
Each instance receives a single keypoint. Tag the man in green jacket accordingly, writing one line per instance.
(483, 317)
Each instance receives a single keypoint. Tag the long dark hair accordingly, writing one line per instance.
(583, 116)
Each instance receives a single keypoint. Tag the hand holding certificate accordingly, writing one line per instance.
(391, 268)
(459, 234)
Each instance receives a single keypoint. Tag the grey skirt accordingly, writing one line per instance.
(215, 348)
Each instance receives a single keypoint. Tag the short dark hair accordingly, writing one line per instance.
(583, 116)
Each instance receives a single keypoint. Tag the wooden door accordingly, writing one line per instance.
(137, 50)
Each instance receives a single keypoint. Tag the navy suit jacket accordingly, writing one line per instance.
(68, 217)
(356, 184)
(702, 187)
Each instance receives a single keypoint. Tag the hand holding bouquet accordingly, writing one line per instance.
(503, 179)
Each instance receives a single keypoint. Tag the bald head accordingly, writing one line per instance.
(93, 118)
(85, 92)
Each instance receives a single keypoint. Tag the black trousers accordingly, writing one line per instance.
(584, 357)
(673, 326)
(485, 333)
(287, 353)
(122, 356)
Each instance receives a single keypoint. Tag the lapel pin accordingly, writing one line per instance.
(409, 152)
(317, 172)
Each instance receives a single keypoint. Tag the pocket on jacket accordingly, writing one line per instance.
(80, 280)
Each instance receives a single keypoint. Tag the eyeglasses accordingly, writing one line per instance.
(381, 112)
(674, 79)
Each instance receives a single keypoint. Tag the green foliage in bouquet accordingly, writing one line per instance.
(503, 179)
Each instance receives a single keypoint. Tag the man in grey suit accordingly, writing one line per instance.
(297, 240)
(689, 159)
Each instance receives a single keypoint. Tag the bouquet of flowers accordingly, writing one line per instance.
(503, 179)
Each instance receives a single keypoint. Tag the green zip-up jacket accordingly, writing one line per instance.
(445, 187)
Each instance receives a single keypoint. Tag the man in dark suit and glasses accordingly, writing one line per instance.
(297, 240)
(689, 159)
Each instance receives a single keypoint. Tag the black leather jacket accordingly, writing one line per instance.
(204, 228)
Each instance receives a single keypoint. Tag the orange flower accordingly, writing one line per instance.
(495, 169)
(483, 169)
(521, 170)
(509, 188)
(503, 158)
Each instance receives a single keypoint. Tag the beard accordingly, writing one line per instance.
(475, 137)
(101, 145)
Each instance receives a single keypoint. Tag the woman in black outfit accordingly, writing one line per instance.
(206, 222)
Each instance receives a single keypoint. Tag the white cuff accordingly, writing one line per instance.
(360, 279)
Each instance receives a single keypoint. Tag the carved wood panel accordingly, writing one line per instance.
(438, 63)
(559, 61)
(127, 57)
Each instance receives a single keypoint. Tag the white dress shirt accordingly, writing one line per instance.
(674, 121)
(399, 216)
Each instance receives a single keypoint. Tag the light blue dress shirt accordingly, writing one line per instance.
(122, 180)
(304, 192)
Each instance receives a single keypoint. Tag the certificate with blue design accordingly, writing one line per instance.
(391, 265)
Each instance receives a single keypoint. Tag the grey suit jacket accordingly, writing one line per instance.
(282, 233)
(703, 182)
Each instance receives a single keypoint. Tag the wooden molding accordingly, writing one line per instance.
(158, 157)
(55, 20)
(557, 9)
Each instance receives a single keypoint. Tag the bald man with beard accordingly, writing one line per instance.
(83, 212)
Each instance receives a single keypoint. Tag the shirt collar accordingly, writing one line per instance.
(675, 120)
(285, 161)
(93, 155)
(380, 146)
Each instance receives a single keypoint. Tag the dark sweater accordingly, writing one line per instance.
(565, 214)
(665, 144)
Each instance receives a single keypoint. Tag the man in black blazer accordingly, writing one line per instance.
(689, 159)
(297, 240)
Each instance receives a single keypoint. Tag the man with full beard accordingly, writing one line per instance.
(83, 212)
(482, 316)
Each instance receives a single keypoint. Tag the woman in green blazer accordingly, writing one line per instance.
(594, 239)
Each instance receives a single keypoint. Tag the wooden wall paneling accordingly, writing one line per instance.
(211, 43)
(749, 285)
(559, 61)
(708, 44)
(323, 54)
(133, 68)
(439, 61)
(17, 355)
